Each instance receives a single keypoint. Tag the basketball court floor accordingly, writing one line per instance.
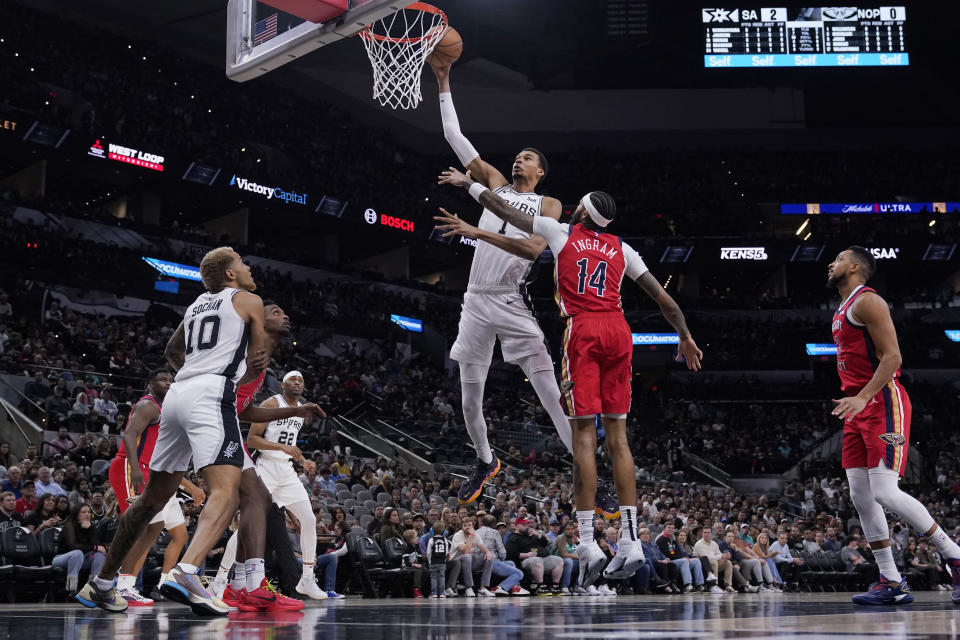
(703, 616)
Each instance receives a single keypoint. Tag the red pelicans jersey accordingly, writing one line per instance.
(246, 392)
(588, 272)
(147, 440)
(856, 355)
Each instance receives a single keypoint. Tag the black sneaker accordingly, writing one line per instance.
(606, 502)
(557, 591)
(479, 474)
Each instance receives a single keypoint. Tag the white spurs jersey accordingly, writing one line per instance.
(216, 337)
(492, 266)
(283, 431)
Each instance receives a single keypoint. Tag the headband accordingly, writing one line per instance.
(291, 374)
(598, 219)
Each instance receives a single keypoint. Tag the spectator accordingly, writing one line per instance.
(7, 459)
(529, 550)
(63, 506)
(80, 411)
(746, 571)
(662, 566)
(719, 562)
(749, 551)
(80, 494)
(854, 561)
(325, 482)
(912, 560)
(691, 571)
(47, 485)
(98, 510)
(28, 498)
(565, 546)
(63, 443)
(929, 562)
(411, 561)
(469, 551)
(44, 515)
(375, 525)
(391, 527)
(37, 389)
(6, 310)
(57, 406)
(13, 483)
(500, 567)
(328, 561)
(8, 512)
(830, 541)
(437, 553)
(80, 547)
(105, 407)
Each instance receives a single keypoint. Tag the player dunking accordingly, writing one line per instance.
(224, 331)
(128, 473)
(598, 347)
(495, 305)
(876, 431)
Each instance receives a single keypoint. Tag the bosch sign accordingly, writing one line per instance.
(743, 253)
(268, 192)
(403, 224)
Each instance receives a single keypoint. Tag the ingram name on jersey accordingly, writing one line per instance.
(492, 266)
(216, 337)
(282, 431)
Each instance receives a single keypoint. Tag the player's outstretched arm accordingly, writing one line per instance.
(266, 414)
(255, 439)
(176, 350)
(687, 349)
(468, 156)
(871, 310)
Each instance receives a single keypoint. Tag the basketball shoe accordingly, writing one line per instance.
(108, 599)
(954, 565)
(134, 598)
(187, 589)
(884, 592)
(479, 474)
(231, 597)
(592, 560)
(267, 598)
(624, 565)
(606, 503)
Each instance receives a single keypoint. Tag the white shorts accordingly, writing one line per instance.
(199, 420)
(281, 481)
(171, 515)
(485, 317)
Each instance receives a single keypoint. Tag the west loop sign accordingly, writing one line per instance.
(127, 155)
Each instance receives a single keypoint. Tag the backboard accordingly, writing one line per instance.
(261, 38)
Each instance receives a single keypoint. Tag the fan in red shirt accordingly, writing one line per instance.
(598, 346)
(876, 424)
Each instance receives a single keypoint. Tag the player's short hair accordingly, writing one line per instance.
(865, 259)
(269, 303)
(156, 372)
(604, 203)
(213, 267)
(543, 160)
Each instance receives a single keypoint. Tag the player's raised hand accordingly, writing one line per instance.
(848, 407)
(258, 360)
(689, 352)
(197, 495)
(456, 178)
(454, 226)
(310, 410)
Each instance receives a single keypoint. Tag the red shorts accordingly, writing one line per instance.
(597, 350)
(881, 432)
(120, 481)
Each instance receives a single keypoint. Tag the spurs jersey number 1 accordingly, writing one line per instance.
(282, 431)
(492, 266)
(216, 337)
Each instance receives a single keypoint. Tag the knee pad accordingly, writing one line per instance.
(536, 362)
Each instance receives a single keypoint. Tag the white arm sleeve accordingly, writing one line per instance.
(451, 131)
(634, 265)
(553, 232)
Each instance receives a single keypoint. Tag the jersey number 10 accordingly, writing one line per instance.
(598, 279)
(207, 333)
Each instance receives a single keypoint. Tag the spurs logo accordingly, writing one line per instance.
(230, 449)
(895, 439)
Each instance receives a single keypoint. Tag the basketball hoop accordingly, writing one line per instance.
(397, 47)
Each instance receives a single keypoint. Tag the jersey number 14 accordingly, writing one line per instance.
(597, 281)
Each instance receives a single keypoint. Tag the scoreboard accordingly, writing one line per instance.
(805, 37)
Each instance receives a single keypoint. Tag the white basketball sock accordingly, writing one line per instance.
(472, 380)
(628, 530)
(585, 525)
(255, 573)
(239, 576)
(888, 568)
(944, 544)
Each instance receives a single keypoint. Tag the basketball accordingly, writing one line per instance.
(449, 49)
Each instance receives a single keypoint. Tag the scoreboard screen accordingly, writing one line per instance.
(805, 37)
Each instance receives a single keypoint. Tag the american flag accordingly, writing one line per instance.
(264, 30)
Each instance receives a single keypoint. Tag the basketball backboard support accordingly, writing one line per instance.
(261, 38)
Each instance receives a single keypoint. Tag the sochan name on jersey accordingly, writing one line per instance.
(268, 192)
(743, 253)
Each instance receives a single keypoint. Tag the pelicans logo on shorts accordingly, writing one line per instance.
(895, 439)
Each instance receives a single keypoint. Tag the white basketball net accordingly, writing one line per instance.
(397, 47)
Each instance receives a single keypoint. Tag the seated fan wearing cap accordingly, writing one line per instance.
(597, 348)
